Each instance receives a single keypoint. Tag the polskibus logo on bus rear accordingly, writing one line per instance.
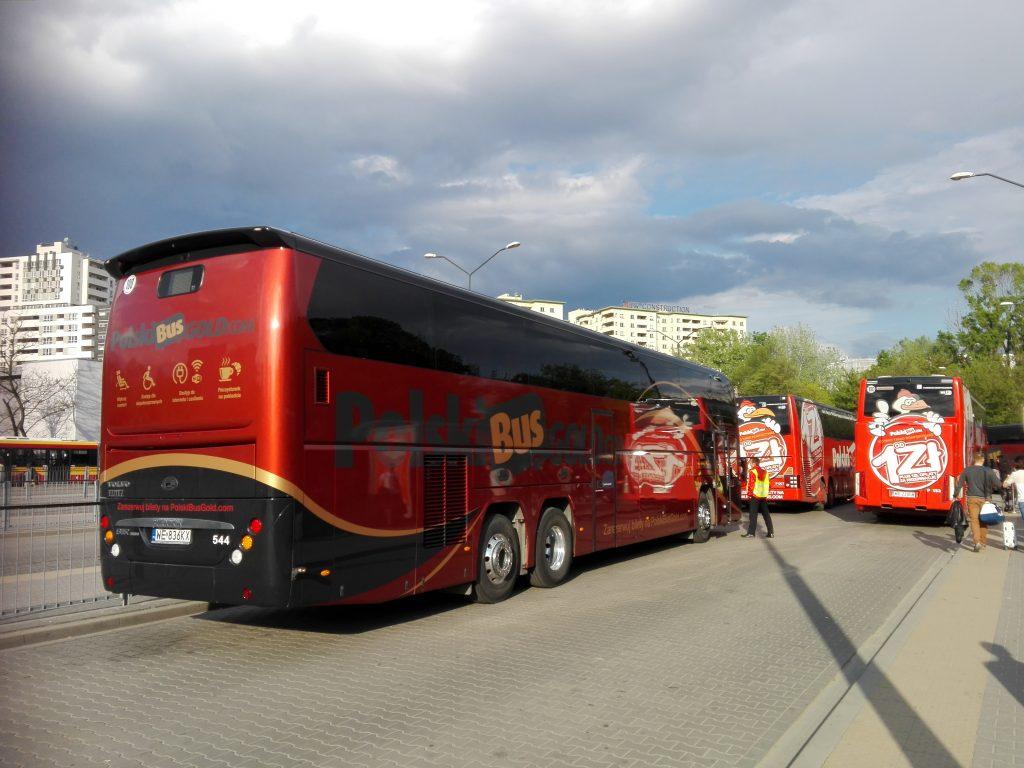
(908, 455)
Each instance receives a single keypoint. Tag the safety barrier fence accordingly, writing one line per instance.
(49, 547)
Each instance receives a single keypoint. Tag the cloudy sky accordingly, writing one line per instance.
(786, 160)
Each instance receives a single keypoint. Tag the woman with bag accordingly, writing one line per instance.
(980, 482)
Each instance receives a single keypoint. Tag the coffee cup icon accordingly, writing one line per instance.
(228, 369)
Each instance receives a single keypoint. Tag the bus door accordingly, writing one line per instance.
(726, 468)
(602, 458)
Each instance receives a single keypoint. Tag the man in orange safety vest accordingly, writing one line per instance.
(757, 489)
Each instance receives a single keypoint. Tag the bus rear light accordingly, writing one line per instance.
(952, 487)
(856, 484)
(255, 525)
(246, 543)
(325, 573)
(115, 550)
(246, 593)
(104, 522)
(236, 557)
(110, 582)
(109, 537)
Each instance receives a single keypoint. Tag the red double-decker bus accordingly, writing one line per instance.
(1006, 445)
(286, 423)
(915, 435)
(806, 447)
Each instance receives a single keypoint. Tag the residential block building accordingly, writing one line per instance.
(544, 306)
(53, 298)
(663, 327)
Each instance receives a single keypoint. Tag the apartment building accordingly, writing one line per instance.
(52, 299)
(663, 327)
(544, 306)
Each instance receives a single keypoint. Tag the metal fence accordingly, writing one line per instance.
(49, 547)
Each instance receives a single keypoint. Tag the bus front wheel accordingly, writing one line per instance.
(554, 549)
(498, 564)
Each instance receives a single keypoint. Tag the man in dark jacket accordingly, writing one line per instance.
(980, 482)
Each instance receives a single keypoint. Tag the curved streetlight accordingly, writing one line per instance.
(961, 175)
(677, 342)
(1009, 312)
(469, 274)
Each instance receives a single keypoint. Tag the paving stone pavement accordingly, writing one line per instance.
(660, 655)
(1000, 737)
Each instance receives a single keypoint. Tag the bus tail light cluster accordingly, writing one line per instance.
(247, 541)
(856, 484)
(952, 487)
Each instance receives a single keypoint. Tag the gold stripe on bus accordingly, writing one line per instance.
(252, 472)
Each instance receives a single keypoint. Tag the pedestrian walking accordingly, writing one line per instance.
(981, 482)
(757, 489)
(1015, 480)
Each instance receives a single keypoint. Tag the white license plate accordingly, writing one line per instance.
(171, 536)
(903, 494)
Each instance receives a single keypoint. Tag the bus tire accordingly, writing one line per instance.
(554, 550)
(498, 563)
(705, 518)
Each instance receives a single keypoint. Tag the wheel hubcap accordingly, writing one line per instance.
(703, 515)
(498, 558)
(554, 548)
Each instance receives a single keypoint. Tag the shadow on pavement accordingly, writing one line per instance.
(1007, 670)
(945, 543)
(357, 619)
(890, 705)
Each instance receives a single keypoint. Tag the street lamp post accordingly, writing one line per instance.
(677, 342)
(1009, 317)
(961, 175)
(469, 274)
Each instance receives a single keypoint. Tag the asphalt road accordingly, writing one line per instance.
(663, 654)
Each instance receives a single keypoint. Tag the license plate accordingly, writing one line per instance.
(903, 494)
(171, 536)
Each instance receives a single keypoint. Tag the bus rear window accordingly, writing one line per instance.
(180, 281)
(908, 396)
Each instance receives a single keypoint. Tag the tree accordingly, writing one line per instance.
(781, 361)
(719, 348)
(32, 399)
(987, 326)
(913, 357)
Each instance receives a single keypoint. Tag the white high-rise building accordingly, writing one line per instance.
(52, 299)
(544, 306)
(663, 327)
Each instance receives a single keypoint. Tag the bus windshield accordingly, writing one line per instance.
(761, 409)
(909, 395)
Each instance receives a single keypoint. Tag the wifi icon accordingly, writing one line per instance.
(196, 366)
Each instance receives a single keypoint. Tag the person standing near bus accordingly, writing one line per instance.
(1015, 480)
(758, 481)
(981, 482)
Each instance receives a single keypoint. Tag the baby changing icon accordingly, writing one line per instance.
(228, 369)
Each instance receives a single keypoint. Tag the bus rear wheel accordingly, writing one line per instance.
(498, 564)
(554, 549)
(705, 518)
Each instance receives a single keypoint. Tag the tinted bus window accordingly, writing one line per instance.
(909, 395)
(361, 314)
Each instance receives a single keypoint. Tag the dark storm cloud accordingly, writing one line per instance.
(560, 126)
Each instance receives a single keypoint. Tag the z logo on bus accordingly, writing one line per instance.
(908, 455)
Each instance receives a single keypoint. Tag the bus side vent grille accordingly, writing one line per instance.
(445, 494)
(321, 386)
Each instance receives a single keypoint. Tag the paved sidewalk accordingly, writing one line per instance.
(948, 688)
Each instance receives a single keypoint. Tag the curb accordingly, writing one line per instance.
(808, 741)
(46, 629)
